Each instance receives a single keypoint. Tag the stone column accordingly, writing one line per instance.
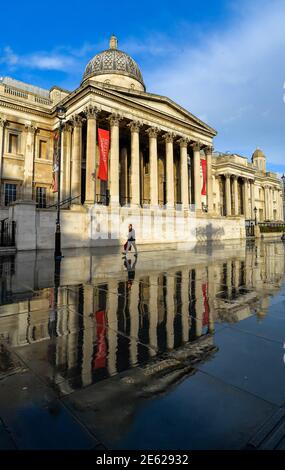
(66, 173)
(91, 114)
(208, 154)
(235, 191)
(2, 133)
(76, 160)
(266, 214)
(135, 163)
(197, 176)
(245, 199)
(252, 197)
(169, 170)
(228, 195)
(29, 161)
(114, 159)
(152, 132)
(184, 173)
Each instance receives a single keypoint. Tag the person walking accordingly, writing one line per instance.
(131, 242)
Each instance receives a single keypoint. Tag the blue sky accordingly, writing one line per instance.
(223, 60)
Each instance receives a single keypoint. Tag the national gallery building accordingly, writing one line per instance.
(160, 164)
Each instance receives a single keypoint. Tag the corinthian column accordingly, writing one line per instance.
(114, 159)
(252, 197)
(2, 130)
(135, 163)
(245, 199)
(29, 161)
(228, 195)
(235, 191)
(184, 173)
(208, 153)
(76, 160)
(66, 154)
(152, 133)
(169, 169)
(197, 176)
(91, 114)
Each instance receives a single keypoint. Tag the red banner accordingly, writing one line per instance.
(55, 172)
(104, 143)
(204, 176)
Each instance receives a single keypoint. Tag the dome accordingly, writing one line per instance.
(258, 153)
(114, 67)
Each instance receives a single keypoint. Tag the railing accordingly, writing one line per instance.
(64, 202)
(270, 227)
(7, 233)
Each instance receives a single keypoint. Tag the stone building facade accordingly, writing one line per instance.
(156, 149)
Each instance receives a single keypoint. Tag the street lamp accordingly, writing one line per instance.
(60, 112)
(255, 215)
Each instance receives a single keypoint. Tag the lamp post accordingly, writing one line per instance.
(60, 111)
(255, 215)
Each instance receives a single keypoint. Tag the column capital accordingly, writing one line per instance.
(67, 127)
(183, 142)
(235, 177)
(29, 127)
(76, 120)
(152, 131)
(227, 175)
(168, 137)
(196, 146)
(114, 119)
(134, 126)
(208, 150)
(91, 111)
(3, 122)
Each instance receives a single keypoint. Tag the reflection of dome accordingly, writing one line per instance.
(114, 67)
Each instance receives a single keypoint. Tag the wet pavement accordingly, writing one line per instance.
(179, 349)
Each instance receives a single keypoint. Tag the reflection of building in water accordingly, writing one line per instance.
(104, 328)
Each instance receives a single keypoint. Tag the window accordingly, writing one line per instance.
(13, 143)
(10, 193)
(41, 197)
(43, 149)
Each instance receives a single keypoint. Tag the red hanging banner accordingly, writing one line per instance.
(100, 358)
(104, 143)
(204, 176)
(55, 172)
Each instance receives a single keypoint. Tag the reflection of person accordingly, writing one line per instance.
(131, 241)
(131, 269)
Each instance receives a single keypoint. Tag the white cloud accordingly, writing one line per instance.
(235, 77)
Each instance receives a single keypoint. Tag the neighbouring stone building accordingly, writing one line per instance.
(161, 164)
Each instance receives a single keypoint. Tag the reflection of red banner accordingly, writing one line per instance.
(55, 163)
(206, 306)
(204, 175)
(104, 142)
(101, 354)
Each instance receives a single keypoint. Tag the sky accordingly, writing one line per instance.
(222, 60)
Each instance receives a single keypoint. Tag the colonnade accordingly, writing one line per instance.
(73, 154)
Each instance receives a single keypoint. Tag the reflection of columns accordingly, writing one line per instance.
(91, 114)
(29, 161)
(211, 297)
(185, 305)
(252, 197)
(245, 198)
(228, 195)
(114, 159)
(153, 312)
(87, 345)
(199, 302)
(235, 191)
(170, 312)
(2, 131)
(135, 163)
(152, 132)
(197, 175)
(169, 169)
(236, 271)
(134, 318)
(229, 278)
(76, 160)
(184, 173)
(113, 326)
(208, 153)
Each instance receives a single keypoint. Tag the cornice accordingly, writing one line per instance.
(24, 109)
